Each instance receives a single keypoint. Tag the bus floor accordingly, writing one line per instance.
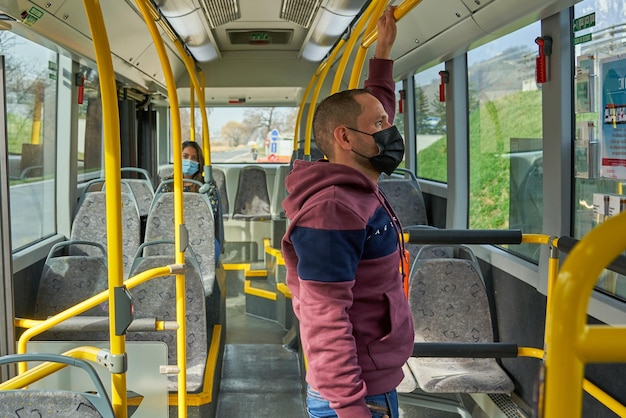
(261, 378)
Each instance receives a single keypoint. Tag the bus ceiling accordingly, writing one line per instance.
(246, 44)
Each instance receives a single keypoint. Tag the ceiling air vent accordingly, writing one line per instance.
(260, 37)
(300, 12)
(220, 12)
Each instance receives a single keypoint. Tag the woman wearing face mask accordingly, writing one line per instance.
(192, 162)
(192, 165)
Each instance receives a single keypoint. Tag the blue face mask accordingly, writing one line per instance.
(190, 167)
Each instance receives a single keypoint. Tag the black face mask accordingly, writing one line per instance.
(390, 149)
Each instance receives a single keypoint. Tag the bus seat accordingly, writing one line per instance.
(279, 192)
(430, 251)
(166, 172)
(141, 188)
(406, 199)
(449, 304)
(67, 280)
(90, 225)
(55, 403)
(156, 299)
(200, 225)
(220, 179)
(252, 201)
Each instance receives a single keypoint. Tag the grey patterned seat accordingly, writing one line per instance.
(67, 280)
(449, 304)
(406, 199)
(142, 189)
(200, 226)
(156, 299)
(55, 403)
(252, 201)
(90, 225)
(220, 179)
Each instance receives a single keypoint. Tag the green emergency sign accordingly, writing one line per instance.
(585, 22)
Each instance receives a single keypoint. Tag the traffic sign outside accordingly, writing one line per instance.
(274, 141)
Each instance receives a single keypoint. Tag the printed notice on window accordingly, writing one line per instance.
(613, 118)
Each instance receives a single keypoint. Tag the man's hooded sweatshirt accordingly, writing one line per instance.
(343, 257)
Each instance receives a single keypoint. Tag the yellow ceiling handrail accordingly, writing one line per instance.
(366, 17)
(316, 92)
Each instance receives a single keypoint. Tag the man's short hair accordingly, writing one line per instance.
(337, 109)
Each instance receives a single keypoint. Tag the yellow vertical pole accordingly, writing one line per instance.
(189, 64)
(206, 140)
(111, 127)
(36, 132)
(307, 91)
(568, 338)
(192, 115)
(181, 332)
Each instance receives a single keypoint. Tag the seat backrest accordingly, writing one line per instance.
(142, 187)
(55, 403)
(200, 227)
(406, 199)
(90, 225)
(220, 180)
(143, 192)
(67, 280)
(252, 201)
(156, 299)
(279, 192)
(165, 172)
(448, 299)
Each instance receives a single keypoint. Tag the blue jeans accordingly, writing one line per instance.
(380, 405)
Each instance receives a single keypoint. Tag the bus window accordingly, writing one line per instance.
(430, 126)
(90, 146)
(599, 156)
(505, 125)
(31, 95)
(246, 135)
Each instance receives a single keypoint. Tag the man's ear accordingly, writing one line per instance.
(341, 137)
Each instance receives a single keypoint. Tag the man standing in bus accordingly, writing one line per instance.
(343, 250)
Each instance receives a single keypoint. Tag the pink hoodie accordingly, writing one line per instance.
(343, 255)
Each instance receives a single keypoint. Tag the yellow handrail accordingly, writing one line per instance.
(189, 64)
(206, 141)
(39, 327)
(308, 89)
(181, 333)
(359, 59)
(402, 9)
(111, 128)
(45, 369)
(316, 93)
(192, 115)
(356, 32)
(371, 35)
(570, 342)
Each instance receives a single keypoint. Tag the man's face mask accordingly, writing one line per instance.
(190, 167)
(390, 149)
